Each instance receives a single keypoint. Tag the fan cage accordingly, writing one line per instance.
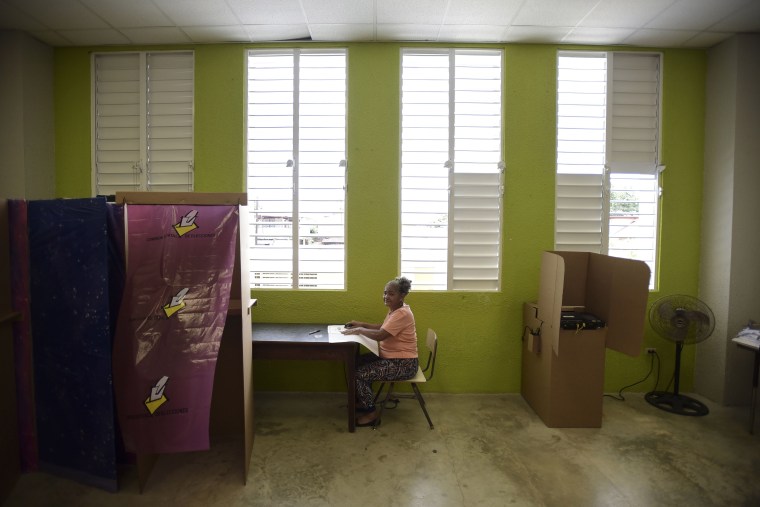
(682, 318)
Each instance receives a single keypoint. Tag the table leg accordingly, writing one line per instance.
(351, 390)
(753, 402)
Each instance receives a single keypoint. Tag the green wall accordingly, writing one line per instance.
(479, 332)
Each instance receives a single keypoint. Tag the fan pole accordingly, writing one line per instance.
(677, 370)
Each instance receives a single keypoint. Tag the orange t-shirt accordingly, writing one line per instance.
(403, 341)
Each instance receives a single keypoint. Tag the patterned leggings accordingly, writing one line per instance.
(370, 368)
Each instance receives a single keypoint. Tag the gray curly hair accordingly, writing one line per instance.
(404, 284)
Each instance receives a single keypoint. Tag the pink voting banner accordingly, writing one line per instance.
(180, 260)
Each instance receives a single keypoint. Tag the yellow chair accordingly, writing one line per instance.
(423, 375)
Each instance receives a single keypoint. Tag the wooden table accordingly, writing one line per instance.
(299, 342)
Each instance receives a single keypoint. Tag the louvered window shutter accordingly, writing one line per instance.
(632, 143)
(578, 220)
(581, 124)
(170, 122)
(476, 224)
(119, 140)
(143, 122)
(451, 169)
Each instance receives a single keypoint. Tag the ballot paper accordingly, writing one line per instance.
(334, 335)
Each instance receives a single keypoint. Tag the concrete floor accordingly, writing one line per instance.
(485, 450)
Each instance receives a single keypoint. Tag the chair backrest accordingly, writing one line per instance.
(432, 345)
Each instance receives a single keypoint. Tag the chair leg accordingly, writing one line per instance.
(382, 405)
(422, 404)
(379, 391)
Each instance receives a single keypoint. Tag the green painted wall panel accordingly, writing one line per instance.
(220, 123)
(72, 122)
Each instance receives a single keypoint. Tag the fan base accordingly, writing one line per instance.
(677, 403)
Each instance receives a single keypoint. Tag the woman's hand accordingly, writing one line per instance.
(350, 329)
(359, 327)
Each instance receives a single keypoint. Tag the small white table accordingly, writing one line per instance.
(750, 342)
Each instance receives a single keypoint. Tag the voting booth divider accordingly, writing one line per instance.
(182, 351)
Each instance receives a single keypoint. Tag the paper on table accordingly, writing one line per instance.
(334, 335)
(748, 337)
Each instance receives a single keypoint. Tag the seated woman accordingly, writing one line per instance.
(397, 337)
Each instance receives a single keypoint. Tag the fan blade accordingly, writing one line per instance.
(665, 310)
(698, 316)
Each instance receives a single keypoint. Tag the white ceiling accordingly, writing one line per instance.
(650, 23)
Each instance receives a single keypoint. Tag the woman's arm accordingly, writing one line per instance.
(366, 325)
(374, 333)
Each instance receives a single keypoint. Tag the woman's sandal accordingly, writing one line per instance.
(368, 423)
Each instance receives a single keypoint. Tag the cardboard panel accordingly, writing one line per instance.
(232, 401)
(601, 269)
(612, 288)
(565, 391)
(226, 407)
(532, 328)
(577, 381)
(628, 306)
(536, 369)
(550, 297)
(575, 281)
(618, 290)
(550, 282)
(247, 305)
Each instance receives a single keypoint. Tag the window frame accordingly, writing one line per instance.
(142, 168)
(296, 274)
(622, 161)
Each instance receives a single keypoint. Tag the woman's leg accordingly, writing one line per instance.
(384, 370)
(364, 396)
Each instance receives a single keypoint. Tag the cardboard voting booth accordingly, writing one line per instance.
(563, 369)
(218, 395)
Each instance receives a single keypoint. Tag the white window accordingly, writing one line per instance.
(143, 122)
(451, 168)
(608, 124)
(297, 168)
